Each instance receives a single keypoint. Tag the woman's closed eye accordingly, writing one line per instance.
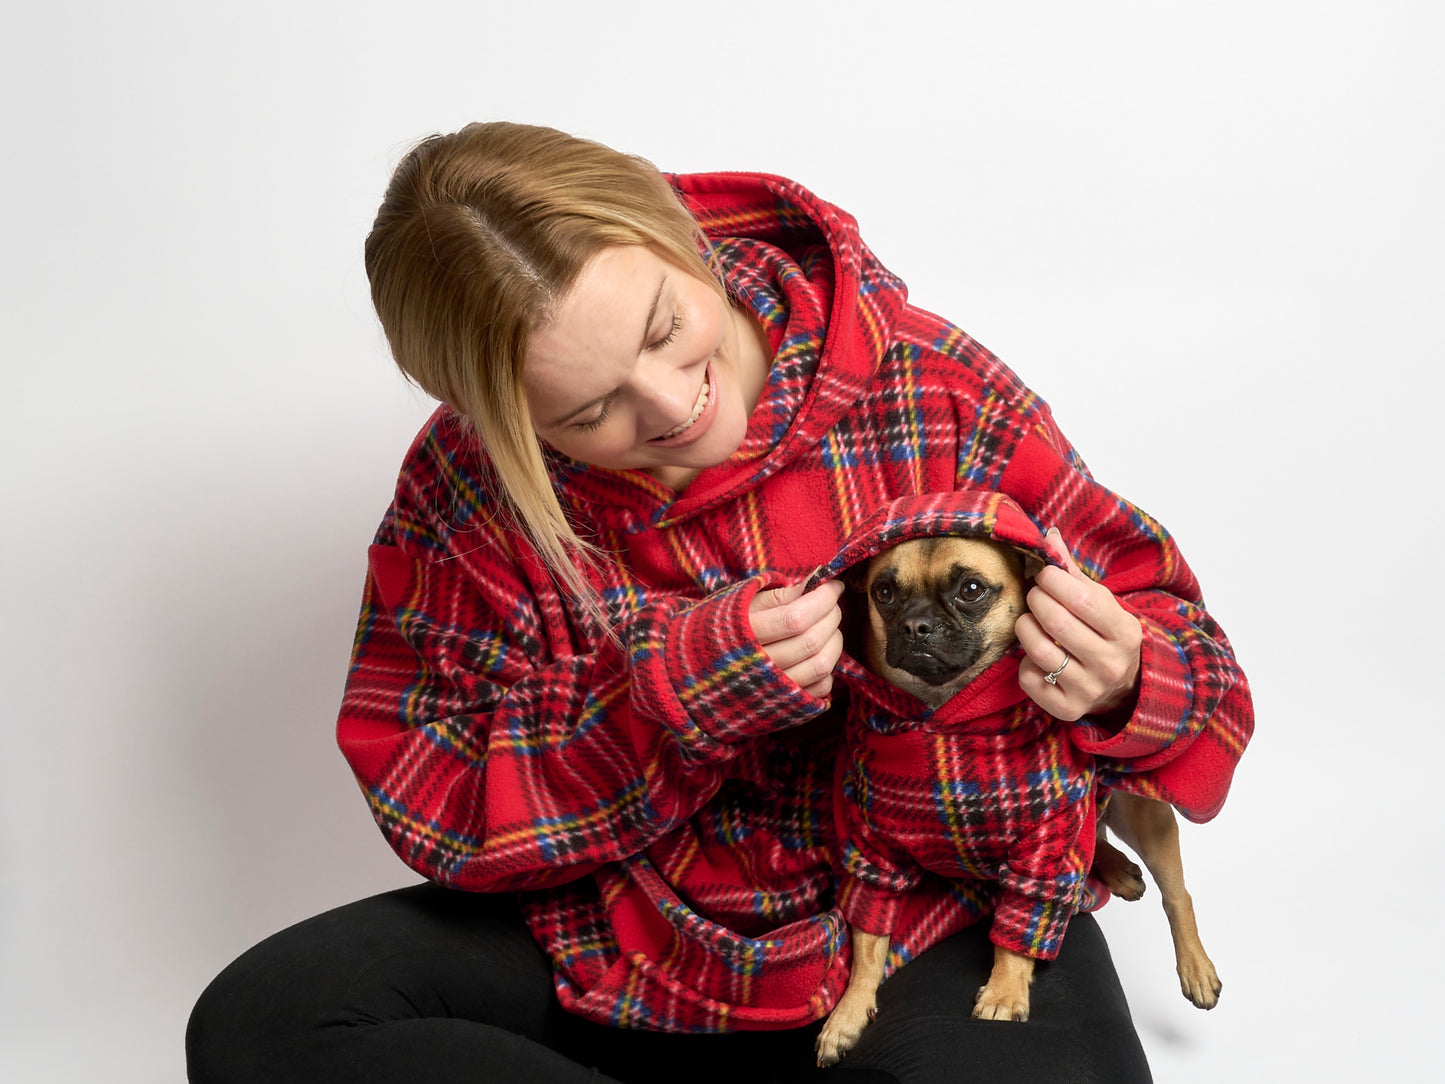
(595, 422)
(605, 405)
(671, 334)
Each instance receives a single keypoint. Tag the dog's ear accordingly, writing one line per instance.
(1032, 562)
(856, 577)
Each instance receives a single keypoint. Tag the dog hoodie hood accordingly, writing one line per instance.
(968, 513)
(964, 513)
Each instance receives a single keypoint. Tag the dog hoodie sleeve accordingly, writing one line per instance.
(1042, 884)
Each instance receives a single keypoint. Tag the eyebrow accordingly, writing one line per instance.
(641, 346)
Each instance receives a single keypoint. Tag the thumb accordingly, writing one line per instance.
(777, 596)
(1055, 539)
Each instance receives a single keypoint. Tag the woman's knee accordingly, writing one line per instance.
(238, 1025)
(417, 953)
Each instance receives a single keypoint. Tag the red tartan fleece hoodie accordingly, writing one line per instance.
(988, 787)
(662, 798)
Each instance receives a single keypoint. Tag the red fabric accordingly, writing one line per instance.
(663, 797)
(986, 788)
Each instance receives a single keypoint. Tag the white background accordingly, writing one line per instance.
(1209, 234)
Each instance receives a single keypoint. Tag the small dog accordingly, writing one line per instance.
(941, 611)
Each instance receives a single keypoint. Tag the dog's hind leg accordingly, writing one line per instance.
(859, 1003)
(1120, 874)
(1151, 830)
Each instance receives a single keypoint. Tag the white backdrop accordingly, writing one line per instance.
(1210, 234)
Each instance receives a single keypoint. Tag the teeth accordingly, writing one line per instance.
(697, 410)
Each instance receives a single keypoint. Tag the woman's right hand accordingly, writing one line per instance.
(800, 632)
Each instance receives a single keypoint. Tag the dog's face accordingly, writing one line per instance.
(941, 611)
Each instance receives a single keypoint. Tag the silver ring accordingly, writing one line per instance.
(1053, 679)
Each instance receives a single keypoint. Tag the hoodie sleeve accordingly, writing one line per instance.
(1194, 714)
(495, 755)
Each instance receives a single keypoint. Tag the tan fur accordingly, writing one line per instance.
(928, 561)
(1152, 832)
(1148, 827)
(859, 1003)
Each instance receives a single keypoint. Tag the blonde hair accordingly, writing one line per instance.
(480, 236)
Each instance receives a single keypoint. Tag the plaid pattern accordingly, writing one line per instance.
(987, 788)
(664, 798)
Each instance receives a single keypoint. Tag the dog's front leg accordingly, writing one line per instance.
(1006, 997)
(859, 1003)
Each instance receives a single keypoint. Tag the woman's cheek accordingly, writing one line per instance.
(708, 319)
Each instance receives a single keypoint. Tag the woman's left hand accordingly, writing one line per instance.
(1070, 612)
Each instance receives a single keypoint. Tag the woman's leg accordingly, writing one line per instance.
(1078, 1030)
(421, 984)
(433, 986)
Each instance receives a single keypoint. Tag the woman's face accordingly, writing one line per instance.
(644, 368)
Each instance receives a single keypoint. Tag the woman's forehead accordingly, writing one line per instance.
(597, 333)
(610, 306)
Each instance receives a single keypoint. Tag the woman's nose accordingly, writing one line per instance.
(665, 394)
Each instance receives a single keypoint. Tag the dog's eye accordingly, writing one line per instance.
(882, 593)
(972, 591)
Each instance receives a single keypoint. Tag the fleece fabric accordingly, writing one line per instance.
(987, 787)
(662, 796)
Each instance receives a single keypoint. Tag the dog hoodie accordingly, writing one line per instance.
(988, 787)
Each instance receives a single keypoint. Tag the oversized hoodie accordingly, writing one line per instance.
(987, 787)
(662, 796)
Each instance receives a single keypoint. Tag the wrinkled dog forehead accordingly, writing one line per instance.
(933, 560)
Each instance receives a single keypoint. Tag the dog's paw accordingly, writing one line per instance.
(843, 1028)
(995, 1003)
(1121, 876)
(1199, 981)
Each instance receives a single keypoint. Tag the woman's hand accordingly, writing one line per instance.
(800, 632)
(1070, 612)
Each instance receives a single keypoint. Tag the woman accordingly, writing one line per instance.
(589, 690)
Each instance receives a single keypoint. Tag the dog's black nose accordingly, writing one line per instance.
(917, 628)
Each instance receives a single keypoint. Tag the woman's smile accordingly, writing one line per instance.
(696, 425)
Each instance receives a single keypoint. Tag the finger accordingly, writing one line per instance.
(1054, 539)
(787, 612)
(820, 690)
(1089, 681)
(1075, 686)
(1040, 648)
(818, 667)
(775, 597)
(1058, 628)
(1087, 599)
(796, 651)
(1061, 701)
(769, 613)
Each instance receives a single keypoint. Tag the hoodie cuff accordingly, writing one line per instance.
(1029, 925)
(1162, 707)
(724, 682)
(872, 908)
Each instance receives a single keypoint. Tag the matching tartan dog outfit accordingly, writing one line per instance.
(663, 797)
(987, 787)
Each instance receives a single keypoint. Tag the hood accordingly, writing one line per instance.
(969, 513)
(829, 309)
(965, 513)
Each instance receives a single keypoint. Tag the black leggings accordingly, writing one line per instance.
(431, 986)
